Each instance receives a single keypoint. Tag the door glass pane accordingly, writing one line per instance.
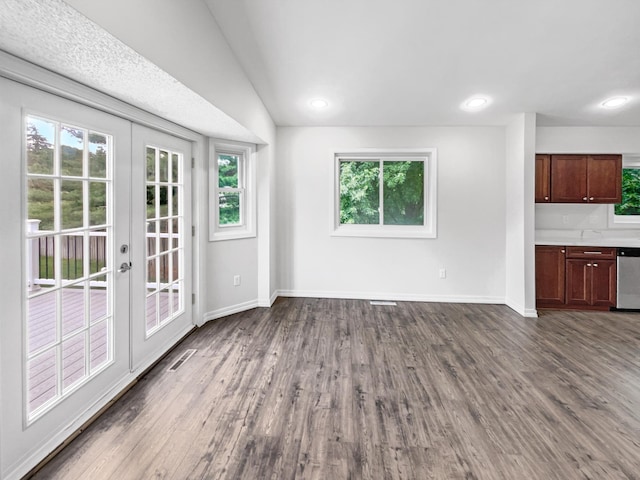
(98, 300)
(71, 203)
(42, 379)
(73, 360)
(73, 301)
(99, 345)
(98, 148)
(97, 203)
(164, 245)
(71, 263)
(40, 142)
(42, 322)
(60, 339)
(40, 202)
(71, 151)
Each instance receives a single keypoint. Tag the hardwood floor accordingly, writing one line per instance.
(340, 389)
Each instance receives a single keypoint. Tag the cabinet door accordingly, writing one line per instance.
(578, 282)
(569, 178)
(604, 178)
(550, 275)
(543, 178)
(603, 283)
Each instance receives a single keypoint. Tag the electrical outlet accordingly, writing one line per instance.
(443, 273)
(236, 280)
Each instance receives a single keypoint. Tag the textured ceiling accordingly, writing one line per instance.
(55, 36)
(413, 62)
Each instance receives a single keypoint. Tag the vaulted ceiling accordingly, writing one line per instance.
(414, 62)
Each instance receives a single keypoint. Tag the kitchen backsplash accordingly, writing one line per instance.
(574, 217)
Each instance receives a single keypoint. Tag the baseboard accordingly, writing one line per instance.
(230, 310)
(269, 301)
(521, 310)
(400, 297)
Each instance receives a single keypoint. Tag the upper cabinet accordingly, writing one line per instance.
(579, 178)
(543, 178)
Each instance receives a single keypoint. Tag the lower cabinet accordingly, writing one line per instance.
(550, 275)
(575, 277)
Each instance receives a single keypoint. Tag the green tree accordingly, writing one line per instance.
(403, 192)
(630, 193)
(229, 201)
(359, 192)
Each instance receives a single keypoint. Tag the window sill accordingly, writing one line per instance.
(375, 231)
(235, 234)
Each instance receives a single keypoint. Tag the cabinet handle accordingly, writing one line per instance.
(591, 199)
(584, 199)
(546, 198)
(561, 251)
(592, 253)
(595, 264)
(588, 264)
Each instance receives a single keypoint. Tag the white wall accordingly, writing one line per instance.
(620, 140)
(194, 51)
(471, 218)
(519, 199)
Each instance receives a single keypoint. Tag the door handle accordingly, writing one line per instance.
(125, 267)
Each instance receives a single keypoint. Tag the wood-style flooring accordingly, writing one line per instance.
(341, 389)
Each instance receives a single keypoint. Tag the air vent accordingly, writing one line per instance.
(381, 302)
(183, 358)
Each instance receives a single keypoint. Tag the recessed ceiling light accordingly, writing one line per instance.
(319, 103)
(615, 102)
(475, 103)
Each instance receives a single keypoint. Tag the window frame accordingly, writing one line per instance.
(625, 221)
(246, 188)
(427, 230)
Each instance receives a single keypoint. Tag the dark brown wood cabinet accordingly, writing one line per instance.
(543, 178)
(586, 178)
(575, 277)
(550, 275)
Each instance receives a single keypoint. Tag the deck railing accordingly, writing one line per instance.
(42, 253)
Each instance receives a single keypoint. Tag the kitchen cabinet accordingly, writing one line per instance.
(550, 275)
(586, 178)
(543, 178)
(575, 277)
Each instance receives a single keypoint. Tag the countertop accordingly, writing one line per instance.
(593, 238)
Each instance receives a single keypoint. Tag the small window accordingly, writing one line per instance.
(386, 194)
(232, 198)
(627, 212)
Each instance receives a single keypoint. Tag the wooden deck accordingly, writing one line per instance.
(78, 342)
(340, 389)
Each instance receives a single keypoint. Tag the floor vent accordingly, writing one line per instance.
(183, 358)
(381, 302)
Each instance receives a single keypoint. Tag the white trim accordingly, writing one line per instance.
(428, 155)
(268, 302)
(248, 206)
(226, 311)
(401, 297)
(625, 221)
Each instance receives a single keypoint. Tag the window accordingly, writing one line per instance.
(628, 212)
(386, 193)
(232, 192)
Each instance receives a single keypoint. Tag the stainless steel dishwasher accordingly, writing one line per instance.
(628, 278)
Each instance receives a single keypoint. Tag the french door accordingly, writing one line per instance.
(96, 269)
